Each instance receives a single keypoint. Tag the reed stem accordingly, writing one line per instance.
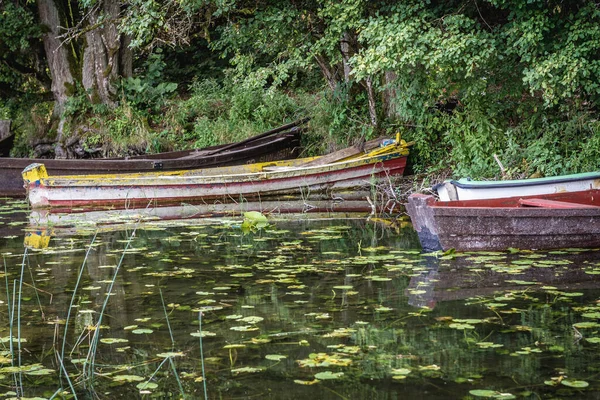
(87, 253)
(90, 360)
(202, 355)
(177, 377)
(167, 318)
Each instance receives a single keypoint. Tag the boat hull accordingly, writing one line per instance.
(229, 184)
(501, 224)
(466, 189)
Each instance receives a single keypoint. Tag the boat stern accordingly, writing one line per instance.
(33, 175)
(419, 208)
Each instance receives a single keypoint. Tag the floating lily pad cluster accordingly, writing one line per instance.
(285, 306)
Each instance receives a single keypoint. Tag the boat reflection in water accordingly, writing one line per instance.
(52, 222)
(486, 275)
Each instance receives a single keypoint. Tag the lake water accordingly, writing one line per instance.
(302, 309)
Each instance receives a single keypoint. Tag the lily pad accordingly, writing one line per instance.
(401, 371)
(244, 328)
(39, 372)
(203, 334)
(127, 378)
(306, 383)
(491, 394)
(234, 346)
(246, 370)
(146, 386)
(575, 384)
(461, 326)
(113, 340)
(142, 331)
(328, 375)
(171, 354)
(275, 357)
(251, 320)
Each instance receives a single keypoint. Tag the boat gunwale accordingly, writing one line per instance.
(467, 183)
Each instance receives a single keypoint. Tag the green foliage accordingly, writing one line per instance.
(337, 121)
(559, 47)
(147, 91)
(18, 35)
(469, 82)
(521, 79)
(120, 132)
(219, 113)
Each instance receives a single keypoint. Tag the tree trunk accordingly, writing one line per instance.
(58, 64)
(389, 95)
(327, 71)
(5, 128)
(371, 97)
(126, 57)
(102, 52)
(346, 47)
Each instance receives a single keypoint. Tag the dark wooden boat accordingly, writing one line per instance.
(277, 144)
(550, 221)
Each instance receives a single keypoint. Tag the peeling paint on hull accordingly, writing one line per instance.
(250, 181)
(499, 224)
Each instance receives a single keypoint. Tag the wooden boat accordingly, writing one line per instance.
(226, 184)
(279, 143)
(467, 189)
(549, 221)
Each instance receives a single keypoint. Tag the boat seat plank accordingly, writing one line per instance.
(543, 203)
(340, 155)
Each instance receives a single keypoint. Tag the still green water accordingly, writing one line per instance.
(327, 309)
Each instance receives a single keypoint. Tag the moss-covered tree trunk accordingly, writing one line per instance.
(92, 55)
(101, 53)
(59, 66)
